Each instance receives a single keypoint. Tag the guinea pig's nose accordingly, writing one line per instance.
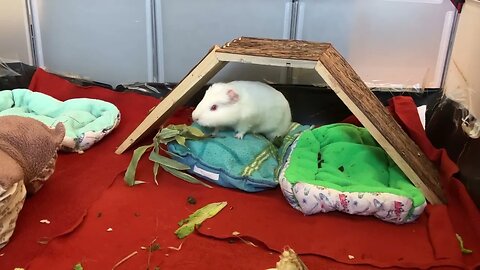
(195, 118)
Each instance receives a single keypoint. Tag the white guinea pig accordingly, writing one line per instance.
(245, 106)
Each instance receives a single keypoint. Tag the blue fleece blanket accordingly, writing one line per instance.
(250, 164)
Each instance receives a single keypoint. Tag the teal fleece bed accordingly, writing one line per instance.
(250, 164)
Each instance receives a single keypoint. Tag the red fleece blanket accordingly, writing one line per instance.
(121, 220)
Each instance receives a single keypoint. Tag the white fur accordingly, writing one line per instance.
(260, 108)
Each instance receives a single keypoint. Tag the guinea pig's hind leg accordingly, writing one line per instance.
(271, 136)
(241, 129)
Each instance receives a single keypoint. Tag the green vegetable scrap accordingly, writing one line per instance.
(464, 250)
(178, 133)
(189, 224)
(154, 247)
(191, 200)
(78, 266)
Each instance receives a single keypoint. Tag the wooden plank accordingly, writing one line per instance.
(194, 80)
(267, 61)
(340, 76)
(275, 48)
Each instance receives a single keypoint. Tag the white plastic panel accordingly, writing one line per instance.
(390, 43)
(99, 40)
(187, 29)
(14, 34)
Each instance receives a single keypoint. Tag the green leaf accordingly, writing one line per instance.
(156, 146)
(138, 182)
(185, 176)
(165, 141)
(78, 266)
(195, 132)
(193, 137)
(132, 167)
(155, 172)
(180, 127)
(170, 153)
(188, 225)
(180, 140)
(164, 161)
(167, 133)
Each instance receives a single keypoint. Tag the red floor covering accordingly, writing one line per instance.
(86, 196)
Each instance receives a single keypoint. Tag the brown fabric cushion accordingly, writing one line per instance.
(31, 145)
(10, 171)
(37, 182)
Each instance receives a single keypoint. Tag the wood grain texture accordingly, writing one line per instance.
(373, 115)
(189, 85)
(275, 48)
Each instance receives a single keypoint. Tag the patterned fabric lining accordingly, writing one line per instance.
(11, 203)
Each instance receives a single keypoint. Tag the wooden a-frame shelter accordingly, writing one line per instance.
(334, 70)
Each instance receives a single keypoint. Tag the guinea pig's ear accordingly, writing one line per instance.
(232, 95)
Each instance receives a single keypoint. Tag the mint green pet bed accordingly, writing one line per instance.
(86, 120)
(340, 167)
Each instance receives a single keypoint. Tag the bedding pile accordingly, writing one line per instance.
(86, 120)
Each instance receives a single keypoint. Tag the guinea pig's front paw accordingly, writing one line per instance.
(215, 132)
(239, 135)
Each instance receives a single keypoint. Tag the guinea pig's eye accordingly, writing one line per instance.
(213, 108)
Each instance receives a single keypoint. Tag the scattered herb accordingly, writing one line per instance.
(185, 176)
(462, 247)
(191, 200)
(188, 225)
(289, 260)
(177, 248)
(45, 221)
(178, 133)
(154, 247)
(132, 167)
(237, 234)
(43, 241)
(124, 259)
(78, 266)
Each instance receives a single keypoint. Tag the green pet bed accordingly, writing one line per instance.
(340, 167)
(86, 120)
